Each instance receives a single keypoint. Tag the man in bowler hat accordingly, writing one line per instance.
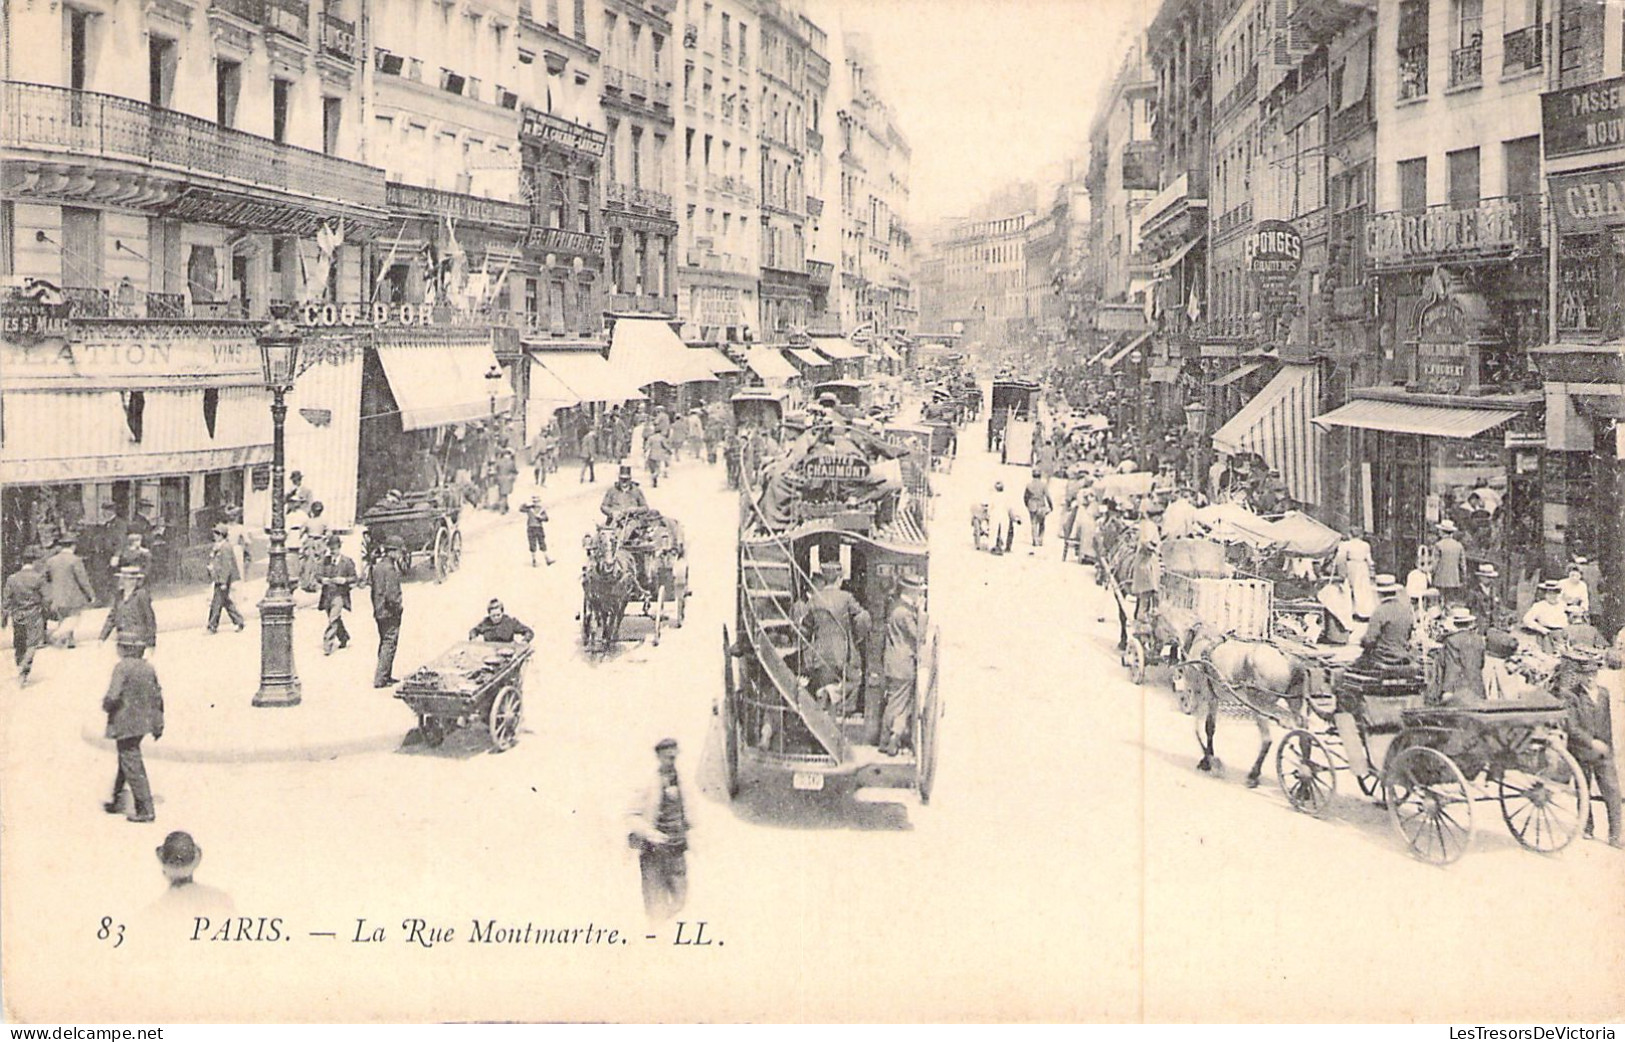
(386, 608)
(134, 705)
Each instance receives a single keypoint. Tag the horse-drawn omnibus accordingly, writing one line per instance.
(1011, 419)
(835, 507)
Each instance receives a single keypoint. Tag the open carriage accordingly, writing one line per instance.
(773, 718)
(425, 521)
(638, 558)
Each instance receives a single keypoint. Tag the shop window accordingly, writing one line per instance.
(211, 408)
(135, 408)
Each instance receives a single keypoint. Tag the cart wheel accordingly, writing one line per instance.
(1429, 803)
(1545, 805)
(503, 722)
(660, 610)
(1303, 765)
(433, 730)
(439, 556)
(682, 605)
(456, 551)
(1134, 659)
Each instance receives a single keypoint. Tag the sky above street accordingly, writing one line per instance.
(989, 91)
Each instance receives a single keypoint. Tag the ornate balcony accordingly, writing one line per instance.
(641, 303)
(613, 78)
(815, 206)
(1467, 66)
(557, 240)
(81, 125)
(636, 85)
(815, 140)
(1487, 229)
(251, 11)
(288, 17)
(1520, 51)
(633, 198)
(662, 94)
(1413, 72)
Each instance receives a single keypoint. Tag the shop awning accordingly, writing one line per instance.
(1098, 355)
(718, 362)
(1123, 352)
(648, 351)
(1177, 256)
(809, 357)
(573, 377)
(838, 348)
(439, 381)
(1434, 421)
(1237, 374)
(890, 353)
(1278, 425)
(771, 365)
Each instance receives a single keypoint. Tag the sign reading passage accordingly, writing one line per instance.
(1584, 119)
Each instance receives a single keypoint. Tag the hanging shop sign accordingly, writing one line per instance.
(1583, 119)
(1274, 253)
(544, 126)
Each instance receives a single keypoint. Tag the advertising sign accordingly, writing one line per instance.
(1583, 119)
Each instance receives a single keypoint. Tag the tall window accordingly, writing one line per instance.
(580, 25)
(160, 70)
(81, 247)
(1462, 170)
(332, 113)
(637, 157)
(1521, 160)
(553, 14)
(1413, 184)
(1466, 42)
(281, 92)
(78, 48)
(584, 203)
(555, 200)
(228, 82)
(1413, 49)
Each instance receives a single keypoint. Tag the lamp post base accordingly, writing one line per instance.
(279, 684)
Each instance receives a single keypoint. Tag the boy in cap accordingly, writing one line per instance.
(536, 529)
(222, 573)
(498, 627)
(131, 616)
(22, 603)
(134, 705)
(1590, 730)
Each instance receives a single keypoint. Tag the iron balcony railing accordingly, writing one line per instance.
(557, 240)
(1467, 65)
(1486, 228)
(288, 17)
(84, 123)
(643, 303)
(456, 205)
(613, 77)
(636, 85)
(623, 196)
(1520, 51)
(247, 10)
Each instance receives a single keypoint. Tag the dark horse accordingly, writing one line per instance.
(606, 585)
(1258, 675)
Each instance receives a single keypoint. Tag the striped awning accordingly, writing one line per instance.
(1237, 374)
(1279, 425)
(1434, 421)
(1123, 352)
(572, 377)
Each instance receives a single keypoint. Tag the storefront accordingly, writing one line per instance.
(648, 352)
(1277, 425)
(165, 419)
(1423, 458)
(427, 396)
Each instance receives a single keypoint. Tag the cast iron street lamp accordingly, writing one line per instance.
(279, 684)
(493, 383)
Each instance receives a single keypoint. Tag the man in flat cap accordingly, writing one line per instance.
(387, 609)
(1590, 730)
(134, 705)
(222, 573)
(659, 826)
(23, 600)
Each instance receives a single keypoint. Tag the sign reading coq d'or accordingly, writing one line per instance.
(1584, 119)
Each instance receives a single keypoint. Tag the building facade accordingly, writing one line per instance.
(783, 48)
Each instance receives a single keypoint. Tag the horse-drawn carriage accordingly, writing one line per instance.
(471, 683)
(425, 521)
(776, 716)
(638, 556)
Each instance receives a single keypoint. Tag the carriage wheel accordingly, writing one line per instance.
(730, 723)
(682, 604)
(433, 730)
(660, 610)
(1134, 658)
(1303, 765)
(440, 554)
(503, 723)
(1545, 806)
(456, 551)
(1429, 803)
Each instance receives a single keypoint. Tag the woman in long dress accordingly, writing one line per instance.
(1352, 563)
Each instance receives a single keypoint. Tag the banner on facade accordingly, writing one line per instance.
(137, 353)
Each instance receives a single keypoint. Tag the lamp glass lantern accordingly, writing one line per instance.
(1196, 418)
(279, 357)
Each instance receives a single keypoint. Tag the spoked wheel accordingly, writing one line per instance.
(1429, 803)
(1303, 765)
(503, 723)
(660, 610)
(682, 605)
(1134, 659)
(456, 551)
(433, 730)
(440, 555)
(1544, 804)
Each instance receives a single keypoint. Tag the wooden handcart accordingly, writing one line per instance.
(472, 683)
(425, 521)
